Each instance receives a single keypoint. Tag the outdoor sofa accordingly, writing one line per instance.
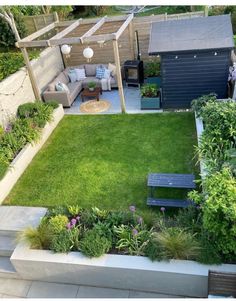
(65, 98)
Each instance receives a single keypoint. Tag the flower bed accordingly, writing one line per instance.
(22, 138)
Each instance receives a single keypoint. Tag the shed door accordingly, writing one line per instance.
(185, 77)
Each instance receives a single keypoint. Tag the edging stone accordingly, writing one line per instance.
(25, 156)
(176, 277)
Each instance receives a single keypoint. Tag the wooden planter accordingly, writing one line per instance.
(150, 103)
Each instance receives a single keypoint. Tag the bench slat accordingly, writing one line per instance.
(169, 203)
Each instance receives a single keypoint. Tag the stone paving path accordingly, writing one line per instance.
(14, 288)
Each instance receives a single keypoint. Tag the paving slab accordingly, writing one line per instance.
(14, 287)
(100, 292)
(17, 218)
(40, 289)
(139, 294)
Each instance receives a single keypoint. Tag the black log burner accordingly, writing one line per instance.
(133, 69)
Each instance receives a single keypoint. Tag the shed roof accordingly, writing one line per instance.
(191, 34)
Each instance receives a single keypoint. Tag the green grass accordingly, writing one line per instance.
(104, 160)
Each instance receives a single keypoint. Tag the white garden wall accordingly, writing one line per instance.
(177, 277)
(23, 159)
(46, 67)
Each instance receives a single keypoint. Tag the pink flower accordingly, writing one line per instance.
(73, 221)
(135, 232)
(163, 209)
(132, 208)
(68, 226)
(78, 218)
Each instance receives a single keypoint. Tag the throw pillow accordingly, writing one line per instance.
(72, 76)
(112, 68)
(80, 73)
(100, 72)
(107, 74)
(62, 87)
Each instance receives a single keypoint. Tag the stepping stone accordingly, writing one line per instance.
(17, 218)
(101, 292)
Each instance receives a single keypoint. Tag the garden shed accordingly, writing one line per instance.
(195, 57)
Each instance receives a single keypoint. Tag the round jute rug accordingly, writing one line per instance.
(94, 106)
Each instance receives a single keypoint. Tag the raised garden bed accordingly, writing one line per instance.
(25, 156)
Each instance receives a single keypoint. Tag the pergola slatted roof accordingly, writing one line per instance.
(88, 37)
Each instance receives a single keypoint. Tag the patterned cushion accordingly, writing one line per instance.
(80, 73)
(100, 72)
(107, 74)
(62, 87)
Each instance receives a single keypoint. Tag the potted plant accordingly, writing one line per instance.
(152, 72)
(92, 86)
(150, 97)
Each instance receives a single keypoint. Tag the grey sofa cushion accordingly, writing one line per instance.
(74, 88)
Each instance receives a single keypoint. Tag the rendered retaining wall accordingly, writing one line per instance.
(23, 159)
(46, 67)
(177, 277)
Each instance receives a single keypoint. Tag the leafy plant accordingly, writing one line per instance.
(38, 238)
(149, 90)
(74, 210)
(58, 223)
(200, 102)
(92, 85)
(218, 206)
(152, 68)
(62, 242)
(177, 243)
(131, 241)
(94, 245)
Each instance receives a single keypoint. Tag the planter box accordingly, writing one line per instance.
(150, 103)
(177, 277)
(153, 80)
(23, 159)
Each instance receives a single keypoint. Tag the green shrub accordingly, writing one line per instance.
(38, 238)
(104, 229)
(132, 241)
(117, 218)
(94, 245)
(154, 251)
(38, 111)
(176, 243)
(53, 104)
(200, 102)
(62, 242)
(10, 62)
(58, 223)
(149, 90)
(218, 207)
(152, 68)
(74, 210)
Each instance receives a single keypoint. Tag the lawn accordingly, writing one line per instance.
(104, 160)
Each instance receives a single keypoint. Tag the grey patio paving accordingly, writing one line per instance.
(132, 99)
(14, 288)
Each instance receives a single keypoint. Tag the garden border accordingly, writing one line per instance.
(25, 156)
(177, 277)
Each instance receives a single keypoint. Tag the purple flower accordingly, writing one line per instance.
(140, 220)
(163, 209)
(135, 232)
(73, 221)
(198, 207)
(8, 128)
(78, 218)
(132, 208)
(68, 226)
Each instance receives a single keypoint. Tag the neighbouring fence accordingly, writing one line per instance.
(18, 85)
(34, 23)
(105, 53)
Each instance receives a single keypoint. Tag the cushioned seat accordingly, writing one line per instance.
(74, 88)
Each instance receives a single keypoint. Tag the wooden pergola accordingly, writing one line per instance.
(88, 37)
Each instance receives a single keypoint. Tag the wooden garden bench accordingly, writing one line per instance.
(221, 284)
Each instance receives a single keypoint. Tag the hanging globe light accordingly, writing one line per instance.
(66, 49)
(88, 53)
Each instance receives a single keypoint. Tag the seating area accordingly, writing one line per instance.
(77, 84)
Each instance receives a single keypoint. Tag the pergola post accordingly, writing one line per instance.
(131, 39)
(10, 20)
(119, 78)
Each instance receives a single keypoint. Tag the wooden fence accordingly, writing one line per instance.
(105, 54)
(34, 23)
